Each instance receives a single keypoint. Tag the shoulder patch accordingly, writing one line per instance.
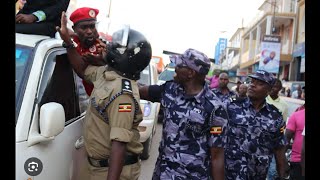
(125, 107)
(282, 129)
(216, 130)
(236, 99)
(126, 85)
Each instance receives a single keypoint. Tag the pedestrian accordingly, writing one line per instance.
(40, 17)
(243, 88)
(303, 155)
(274, 99)
(86, 39)
(194, 122)
(235, 89)
(111, 135)
(293, 132)
(214, 80)
(255, 132)
(223, 92)
(297, 93)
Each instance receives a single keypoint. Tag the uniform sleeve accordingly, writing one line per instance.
(155, 91)
(280, 138)
(121, 114)
(218, 127)
(92, 73)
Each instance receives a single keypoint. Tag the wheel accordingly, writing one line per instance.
(146, 148)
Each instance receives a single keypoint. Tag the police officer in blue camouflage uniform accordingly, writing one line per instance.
(194, 122)
(255, 132)
(222, 91)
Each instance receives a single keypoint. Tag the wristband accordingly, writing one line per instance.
(72, 45)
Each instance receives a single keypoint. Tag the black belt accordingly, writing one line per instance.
(129, 159)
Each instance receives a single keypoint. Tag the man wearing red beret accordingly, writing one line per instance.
(86, 39)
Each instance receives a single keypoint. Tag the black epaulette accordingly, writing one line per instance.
(126, 85)
(235, 99)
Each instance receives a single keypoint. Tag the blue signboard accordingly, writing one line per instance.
(220, 47)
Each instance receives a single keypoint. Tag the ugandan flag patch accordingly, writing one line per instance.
(124, 107)
(216, 130)
(282, 129)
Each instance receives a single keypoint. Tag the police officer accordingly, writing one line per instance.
(255, 132)
(222, 91)
(194, 122)
(111, 136)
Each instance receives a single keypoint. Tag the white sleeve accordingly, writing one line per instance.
(303, 131)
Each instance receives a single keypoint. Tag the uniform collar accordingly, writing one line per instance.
(111, 75)
(248, 103)
(199, 97)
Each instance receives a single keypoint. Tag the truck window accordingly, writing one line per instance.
(58, 85)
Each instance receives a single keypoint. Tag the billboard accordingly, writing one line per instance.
(270, 54)
(220, 47)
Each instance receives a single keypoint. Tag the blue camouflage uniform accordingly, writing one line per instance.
(252, 136)
(191, 126)
(224, 97)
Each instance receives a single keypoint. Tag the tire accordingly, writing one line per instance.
(146, 148)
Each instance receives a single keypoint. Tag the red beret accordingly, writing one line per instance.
(84, 13)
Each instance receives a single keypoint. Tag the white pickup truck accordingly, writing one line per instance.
(50, 108)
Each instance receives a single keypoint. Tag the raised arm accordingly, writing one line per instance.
(74, 57)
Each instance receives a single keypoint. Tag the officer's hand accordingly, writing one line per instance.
(63, 30)
(25, 18)
(93, 59)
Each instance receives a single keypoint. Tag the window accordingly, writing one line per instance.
(58, 85)
(83, 96)
(23, 63)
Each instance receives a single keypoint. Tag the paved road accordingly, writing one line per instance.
(148, 165)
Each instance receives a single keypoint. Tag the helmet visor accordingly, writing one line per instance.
(120, 36)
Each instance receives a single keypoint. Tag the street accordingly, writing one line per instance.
(147, 166)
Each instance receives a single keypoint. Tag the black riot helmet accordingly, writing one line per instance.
(129, 53)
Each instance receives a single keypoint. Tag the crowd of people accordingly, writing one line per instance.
(209, 130)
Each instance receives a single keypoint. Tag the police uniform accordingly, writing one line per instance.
(191, 125)
(82, 14)
(224, 97)
(252, 137)
(113, 114)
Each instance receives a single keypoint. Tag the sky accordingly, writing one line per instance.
(176, 25)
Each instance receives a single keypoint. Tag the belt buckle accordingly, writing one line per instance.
(94, 162)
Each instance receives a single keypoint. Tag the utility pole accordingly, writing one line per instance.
(274, 16)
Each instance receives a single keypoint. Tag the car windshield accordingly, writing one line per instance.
(167, 74)
(23, 62)
(145, 76)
